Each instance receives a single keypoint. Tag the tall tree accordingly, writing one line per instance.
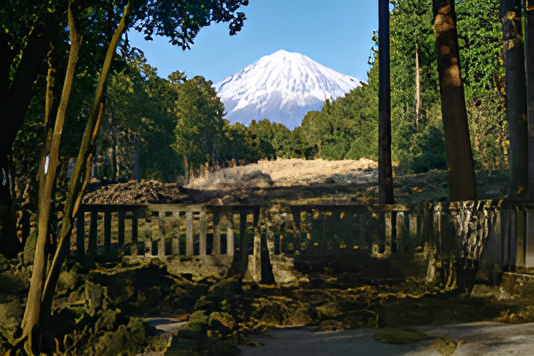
(529, 39)
(462, 184)
(516, 97)
(178, 20)
(385, 171)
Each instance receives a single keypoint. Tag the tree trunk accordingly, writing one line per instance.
(529, 39)
(516, 101)
(30, 323)
(385, 171)
(462, 184)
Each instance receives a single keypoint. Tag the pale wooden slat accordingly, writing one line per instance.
(216, 251)
(203, 233)
(175, 233)
(189, 234)
(162, 234)
(230, 247)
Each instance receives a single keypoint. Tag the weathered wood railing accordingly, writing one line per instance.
(162, 230)
(504, 232)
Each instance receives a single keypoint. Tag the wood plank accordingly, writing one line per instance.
(162, 234)
(216, 251)
(189, 234)
(230, 245)
(203, 233)
(175, 233)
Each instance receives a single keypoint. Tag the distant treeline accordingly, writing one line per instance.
(156, 128)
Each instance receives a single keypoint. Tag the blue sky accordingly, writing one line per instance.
(335, 33)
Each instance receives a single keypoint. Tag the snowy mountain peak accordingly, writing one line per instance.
(281, 87)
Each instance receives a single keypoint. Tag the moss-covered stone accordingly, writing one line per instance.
(445, 345)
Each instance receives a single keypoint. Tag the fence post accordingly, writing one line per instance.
(135, 233)
(203, 232)
(216, 251)
(189, 234)
(175, 233)
(162, 233)
(230, 247)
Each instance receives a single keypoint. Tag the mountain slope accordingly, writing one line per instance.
(281, 87)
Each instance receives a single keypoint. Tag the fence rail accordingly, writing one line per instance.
(502, 234)
(187, 230)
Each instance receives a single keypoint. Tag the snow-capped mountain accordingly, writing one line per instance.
(281, 87)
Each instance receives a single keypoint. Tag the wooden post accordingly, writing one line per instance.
(230, 247)
(80, 233)
(413, 242)
(148, 234)
(189, 234)
(216, 251)
(162, 233)
(401, 233)
(203, 233)
(175, 233)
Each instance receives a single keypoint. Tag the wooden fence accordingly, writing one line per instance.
(188, 230)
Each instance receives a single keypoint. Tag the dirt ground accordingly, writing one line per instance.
(293, 181)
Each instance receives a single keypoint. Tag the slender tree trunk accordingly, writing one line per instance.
(385, 171)
(529, 39)
(418, 72)
(462, 184)
(516, 101)
(30, 323)
(81, 172)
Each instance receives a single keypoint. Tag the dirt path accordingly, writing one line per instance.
(475, 339)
